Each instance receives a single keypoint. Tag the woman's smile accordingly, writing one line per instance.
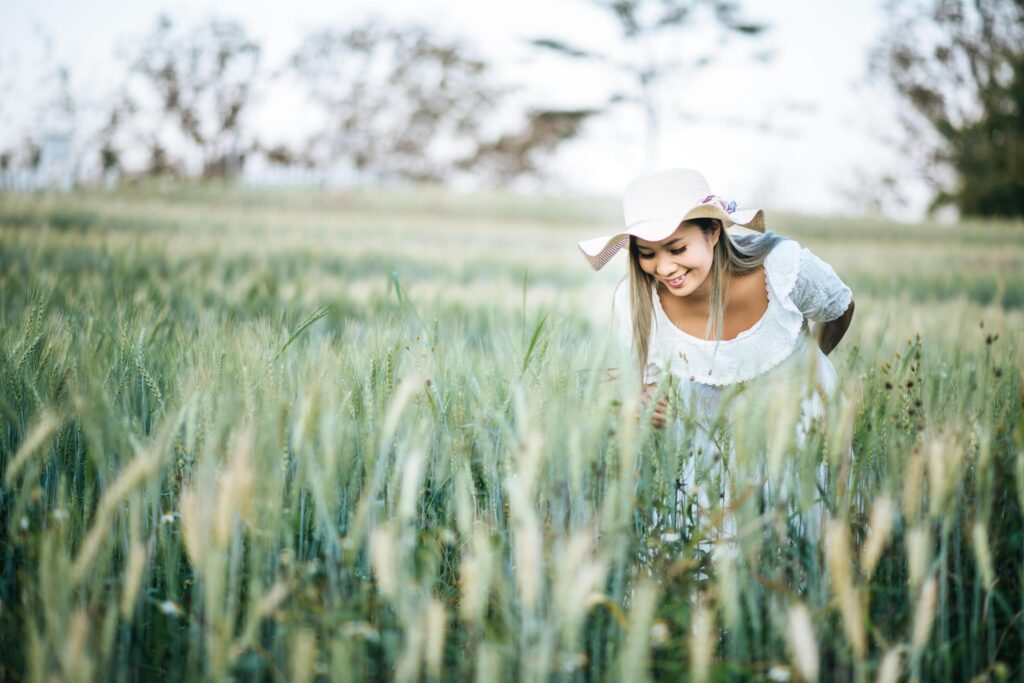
(677, 282)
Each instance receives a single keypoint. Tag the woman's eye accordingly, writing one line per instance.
(677, 252)
(643, 255)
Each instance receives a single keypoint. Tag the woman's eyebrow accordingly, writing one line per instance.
(667, 245)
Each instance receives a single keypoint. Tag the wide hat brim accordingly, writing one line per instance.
(599, 250)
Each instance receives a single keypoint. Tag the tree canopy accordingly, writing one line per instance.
(958, 68)
(395, 102)
(401, 102)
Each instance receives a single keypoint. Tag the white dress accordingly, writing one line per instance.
(768, 373)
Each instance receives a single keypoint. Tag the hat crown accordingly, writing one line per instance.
(668, 194)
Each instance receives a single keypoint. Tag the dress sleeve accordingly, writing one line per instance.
(818, 292)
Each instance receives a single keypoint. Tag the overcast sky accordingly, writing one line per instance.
(801, 132)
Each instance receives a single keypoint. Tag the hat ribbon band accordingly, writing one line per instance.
(728, 207)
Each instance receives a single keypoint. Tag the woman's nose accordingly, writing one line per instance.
(665, 265)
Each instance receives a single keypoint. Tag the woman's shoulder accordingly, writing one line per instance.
(799, 279)
(790, 255)
(785, 252)
(782, 266)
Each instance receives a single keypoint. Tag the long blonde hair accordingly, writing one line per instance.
(733, 255)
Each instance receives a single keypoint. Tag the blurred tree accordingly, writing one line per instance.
(190, 92)
(958, 68)
(390, 95)
(110, 157)
(401, 103)
(32, 154)
(520, 153)
(282, 155)
(640, 24)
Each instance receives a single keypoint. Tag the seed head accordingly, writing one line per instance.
(878, 537)
(924, 615)
(982, 555)
(384, 560)
(435, 623)
(919, 547)
(839, 558)
(702, 641)
(889, 669)
(802, 643)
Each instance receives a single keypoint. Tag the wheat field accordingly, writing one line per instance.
(311, 435)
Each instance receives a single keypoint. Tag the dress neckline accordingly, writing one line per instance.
(698, 340)
(753, 352)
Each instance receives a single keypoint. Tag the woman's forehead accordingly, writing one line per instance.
(684, 230)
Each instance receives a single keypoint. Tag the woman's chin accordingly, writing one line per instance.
(687, 288)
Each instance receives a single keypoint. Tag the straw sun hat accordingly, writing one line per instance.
(655, 204)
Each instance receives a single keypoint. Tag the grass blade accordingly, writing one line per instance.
(316, 315)
(533, 340)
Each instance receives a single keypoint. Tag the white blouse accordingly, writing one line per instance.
(801, 288)
(769, 355)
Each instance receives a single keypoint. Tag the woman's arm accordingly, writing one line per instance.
(832, 332)
(818, 292)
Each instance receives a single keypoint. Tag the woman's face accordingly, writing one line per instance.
(681, 261)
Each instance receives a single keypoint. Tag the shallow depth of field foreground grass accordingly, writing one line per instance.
(295, 436)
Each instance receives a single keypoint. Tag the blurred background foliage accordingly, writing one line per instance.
(958, 68)
(400, 103)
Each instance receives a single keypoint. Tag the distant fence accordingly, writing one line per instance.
(29, 180)
(293, 176)
(52, 166)
(60, 179)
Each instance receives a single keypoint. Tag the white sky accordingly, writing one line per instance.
(801, 132)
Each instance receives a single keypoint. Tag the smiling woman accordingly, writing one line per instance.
(715, 308)
(683, 266)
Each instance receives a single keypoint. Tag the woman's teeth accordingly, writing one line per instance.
(677, 282)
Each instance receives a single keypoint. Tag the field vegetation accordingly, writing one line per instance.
(358, 436)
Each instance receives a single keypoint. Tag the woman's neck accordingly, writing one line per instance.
(700, 298)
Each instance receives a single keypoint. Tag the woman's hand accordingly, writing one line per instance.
(659, 418)
(830, 333)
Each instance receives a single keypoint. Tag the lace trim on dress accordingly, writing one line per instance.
(756, 350)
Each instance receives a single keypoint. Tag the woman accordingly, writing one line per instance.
(719, 309)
